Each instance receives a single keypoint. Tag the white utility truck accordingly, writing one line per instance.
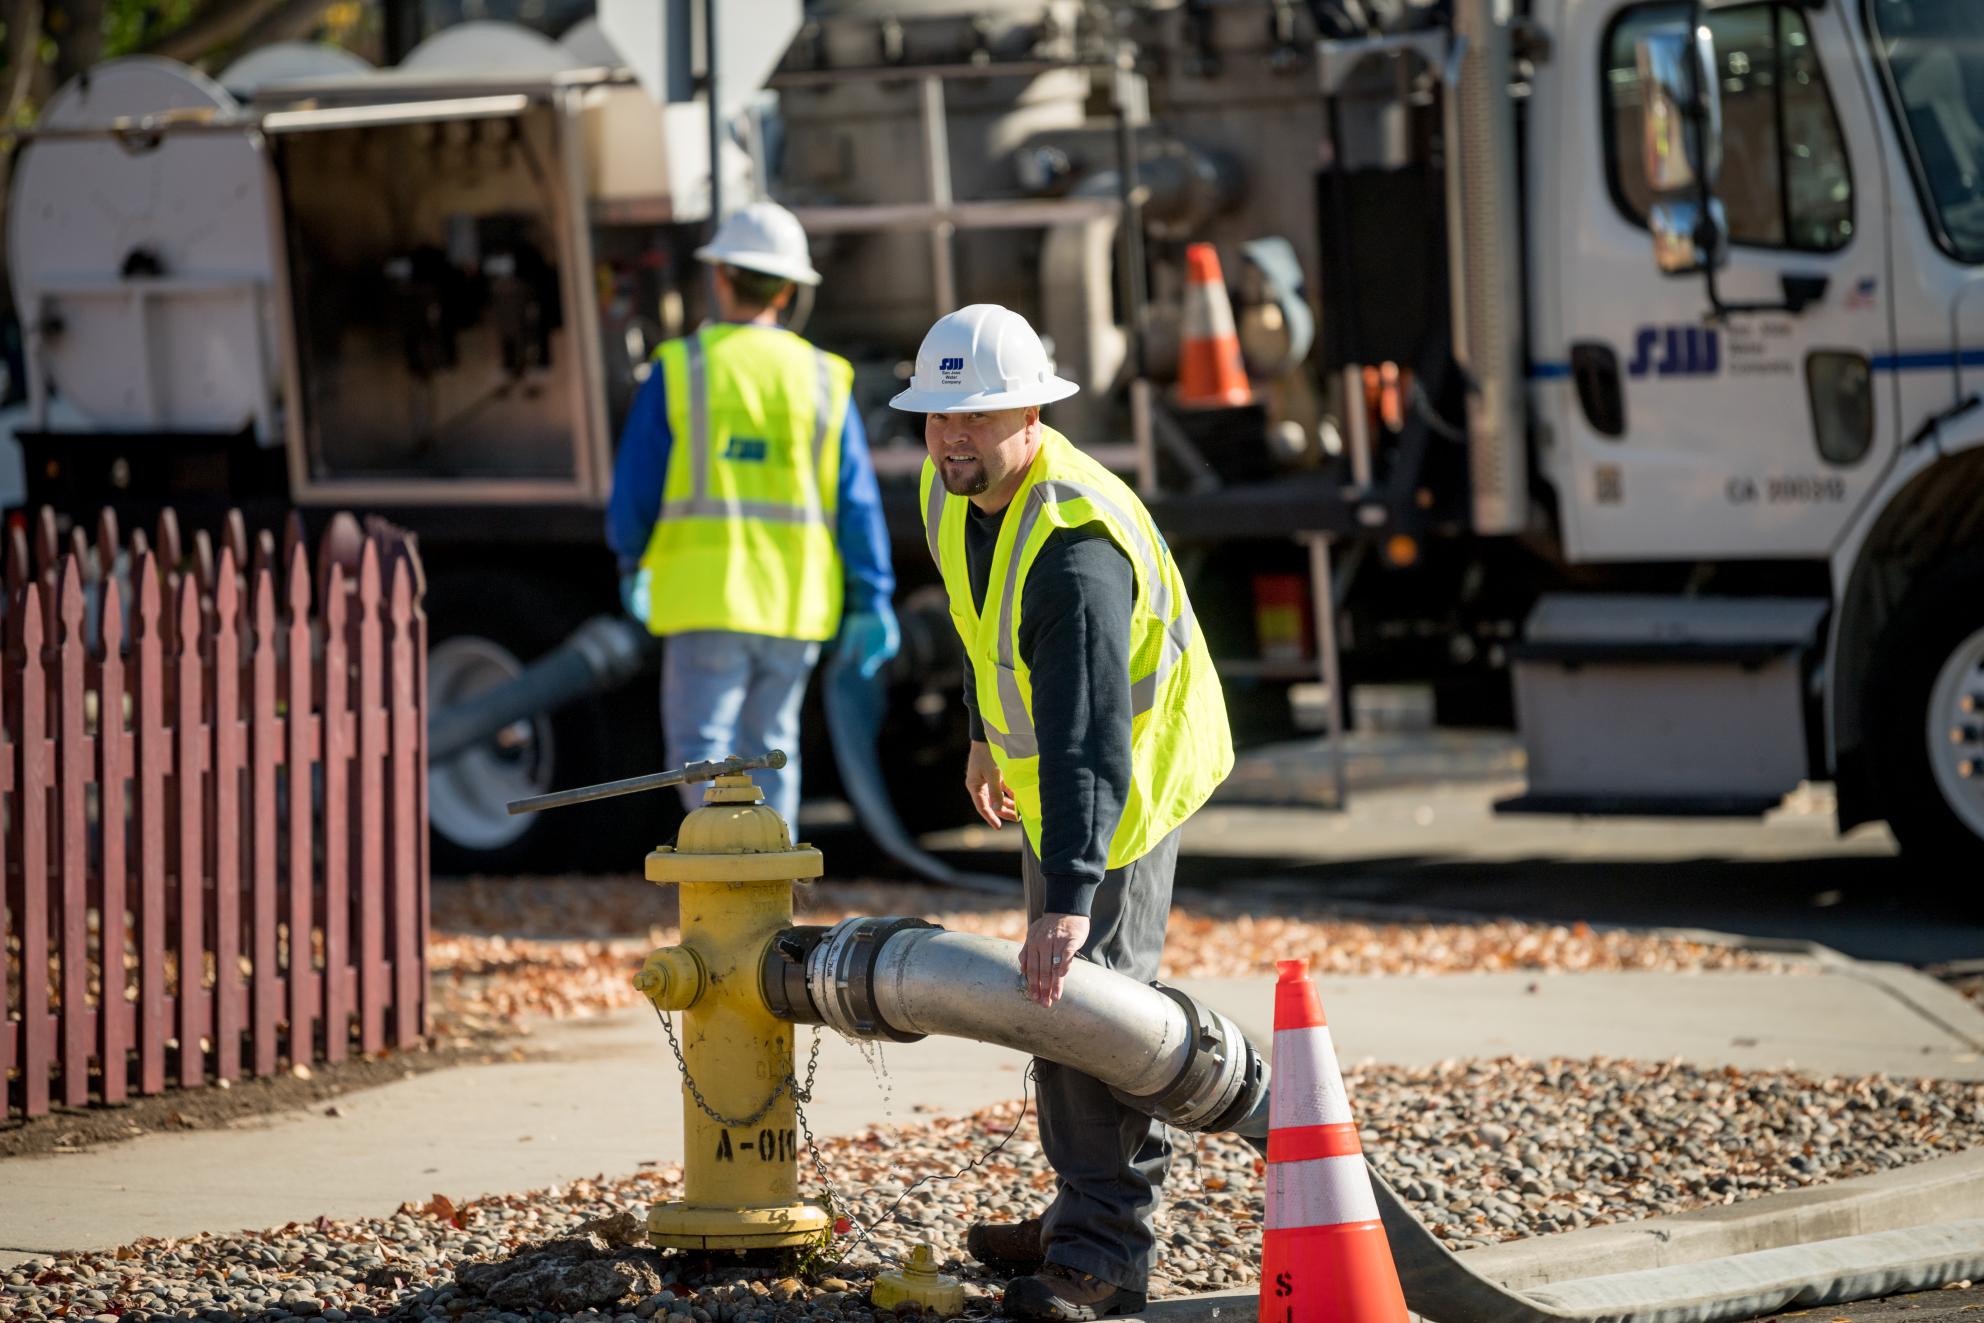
(1621, 357)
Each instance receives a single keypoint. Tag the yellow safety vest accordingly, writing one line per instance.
(745, 541)
(1180, 746)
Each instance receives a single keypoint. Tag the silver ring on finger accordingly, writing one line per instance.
(1054, 959)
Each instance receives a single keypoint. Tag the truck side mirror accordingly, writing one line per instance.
(1681, 143)
(1688, 236)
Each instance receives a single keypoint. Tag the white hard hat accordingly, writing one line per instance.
(762, 236)
(978, 359)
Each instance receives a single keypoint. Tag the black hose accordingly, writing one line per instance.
(602, 654)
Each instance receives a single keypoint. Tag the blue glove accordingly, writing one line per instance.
(869, 638)
(634, 594)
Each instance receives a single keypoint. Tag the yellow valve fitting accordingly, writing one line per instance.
(919, 1283)
(672, 978)
(736, 865)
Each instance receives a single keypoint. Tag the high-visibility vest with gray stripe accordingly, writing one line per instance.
(1180, 746)
(745, 541)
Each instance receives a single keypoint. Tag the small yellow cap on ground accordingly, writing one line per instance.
(919, 1283)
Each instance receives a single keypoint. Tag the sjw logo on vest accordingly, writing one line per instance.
(747, 450)
(1676, 351)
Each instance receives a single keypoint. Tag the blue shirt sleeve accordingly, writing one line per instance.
(638, 473)
(863, 532)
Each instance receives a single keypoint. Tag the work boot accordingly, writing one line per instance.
(1007, 1247)
(1059, 1292)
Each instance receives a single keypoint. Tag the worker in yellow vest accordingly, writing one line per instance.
(745, 513)
(1098, 725)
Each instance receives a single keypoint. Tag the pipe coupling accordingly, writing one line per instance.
(782, 978)
(840, 976)
(1222, 1081)
(815, 975)
(672, 977)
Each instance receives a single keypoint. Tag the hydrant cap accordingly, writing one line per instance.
(919, 1283)
(734, 837)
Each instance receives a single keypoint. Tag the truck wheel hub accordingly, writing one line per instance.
(467, 796)
(1956, 731)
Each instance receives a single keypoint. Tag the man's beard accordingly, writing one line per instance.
(971, 481)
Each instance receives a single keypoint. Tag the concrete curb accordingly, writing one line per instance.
(1945, 1190)
(1924, 994)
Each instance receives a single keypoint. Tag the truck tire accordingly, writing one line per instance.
(483, 628)
(1928, 740)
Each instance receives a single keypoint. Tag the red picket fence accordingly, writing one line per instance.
(214, 803)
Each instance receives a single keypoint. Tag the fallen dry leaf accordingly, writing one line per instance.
(493, 973)
(444, 1208)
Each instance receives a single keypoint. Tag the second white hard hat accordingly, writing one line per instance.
(978, 359)
(762, 236)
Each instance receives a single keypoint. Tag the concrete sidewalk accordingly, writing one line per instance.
(1844, 1019)
(602, 1096)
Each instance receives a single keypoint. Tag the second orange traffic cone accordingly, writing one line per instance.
(1211, 373)
(1324, 1257)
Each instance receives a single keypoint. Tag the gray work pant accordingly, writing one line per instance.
(1110, 1159)
(725, 693)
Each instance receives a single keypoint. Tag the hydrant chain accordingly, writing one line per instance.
(800, 1094)
(837, 1203)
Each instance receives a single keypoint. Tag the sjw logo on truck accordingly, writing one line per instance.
(1676, 351)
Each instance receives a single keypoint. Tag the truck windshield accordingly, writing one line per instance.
(1934, 56)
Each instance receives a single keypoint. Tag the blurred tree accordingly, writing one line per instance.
(48, 42)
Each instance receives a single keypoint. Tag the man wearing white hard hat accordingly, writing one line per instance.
(1098, 725)
(745, 513)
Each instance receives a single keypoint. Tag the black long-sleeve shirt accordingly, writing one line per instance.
(1074, 637)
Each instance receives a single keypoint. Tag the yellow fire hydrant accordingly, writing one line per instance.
(735, 864)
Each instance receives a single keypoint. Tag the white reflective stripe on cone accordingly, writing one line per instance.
(1320, 1192)
(1308, 1087)
(1208, 316)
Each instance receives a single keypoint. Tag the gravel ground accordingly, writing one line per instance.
(1485, 1151)
(1494, 1150)
(505, 950)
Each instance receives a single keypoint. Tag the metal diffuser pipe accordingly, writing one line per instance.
(901, 979)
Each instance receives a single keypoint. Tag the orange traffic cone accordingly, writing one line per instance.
(1324, 1258)
(1211, 374)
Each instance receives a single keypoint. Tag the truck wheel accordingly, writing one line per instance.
(483, 630)
(1929, 740)
(472, 832)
